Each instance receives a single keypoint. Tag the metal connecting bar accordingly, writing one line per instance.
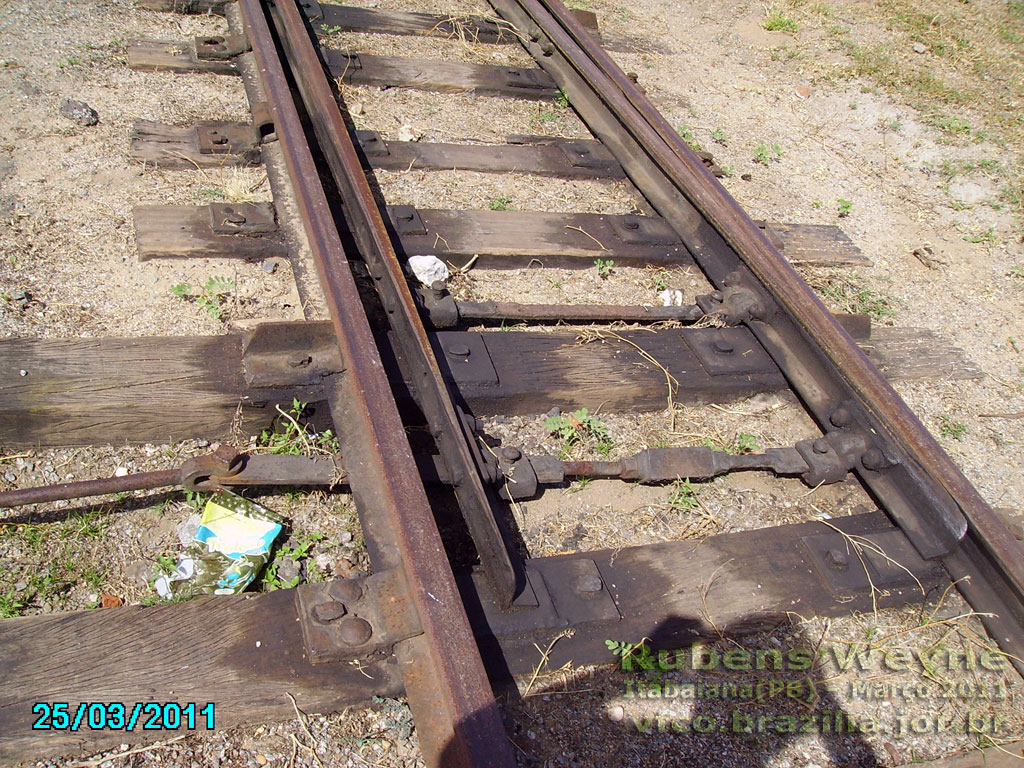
(456, 715)
(659, 465)
(225, 468)
(497, 311)
(919, 485)
(140, 481)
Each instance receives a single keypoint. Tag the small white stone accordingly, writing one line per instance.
(408, 133)
(428, 269)
(120, 471)
(615, 714)
(258, 643)
(23, 372)
(671, 298)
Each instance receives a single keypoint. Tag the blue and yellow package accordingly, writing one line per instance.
(230, 548)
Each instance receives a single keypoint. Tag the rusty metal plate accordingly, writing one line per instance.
(527, 79)
(225, 138)
(568, 592)
(289, 354)
(220, 47)
(886, 560)
(355, 618)
(588, 154)
(643, 230)
(466, 357)
(728, 351)
(242, 218)
(312, 9)
(406, 220)
(372, 143)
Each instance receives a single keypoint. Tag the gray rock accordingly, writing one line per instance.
(80, 112)
(187, 528)
(920, 48)
(288, 569)
(554, 413)
(139, 571)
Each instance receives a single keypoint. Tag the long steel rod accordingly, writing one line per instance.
(457, 717)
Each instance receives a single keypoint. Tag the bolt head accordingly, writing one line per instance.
(837, 559)
(840, 417)
(820, 445)
(588, 582)
(873, 459)
(458, 350)
(723, 347)
(511, 454)
(356, 631)
(347, 590)
(328, 612)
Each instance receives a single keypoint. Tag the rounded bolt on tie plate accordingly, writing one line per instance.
(716, 296)
(632, 225)
(588, 582)
(873, 459)
(511, 454)
(840, 417)
(723, 347)
(820, 445)
(837, 559)
(347, 590)
(327, 612)
(356, 631)
(232, 216)
(458, 350)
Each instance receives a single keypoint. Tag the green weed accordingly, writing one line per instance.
(10, 604)
(209, 297)
(985, 236)
(765, 154)
(290, 436)
(683, 496)
(844, 207)
(604, 267)
(501, 204)
(850, 296)
(687, 135)
(579, 427)
(777, 21)
(948, 427)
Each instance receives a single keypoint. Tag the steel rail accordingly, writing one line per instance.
(456, 714)
(367, 224)
(917, 482)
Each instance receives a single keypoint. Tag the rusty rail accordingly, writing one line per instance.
(448, 690)
(921, 487)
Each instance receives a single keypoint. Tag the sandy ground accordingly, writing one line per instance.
(808, 133)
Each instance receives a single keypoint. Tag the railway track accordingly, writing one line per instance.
(406, 386)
